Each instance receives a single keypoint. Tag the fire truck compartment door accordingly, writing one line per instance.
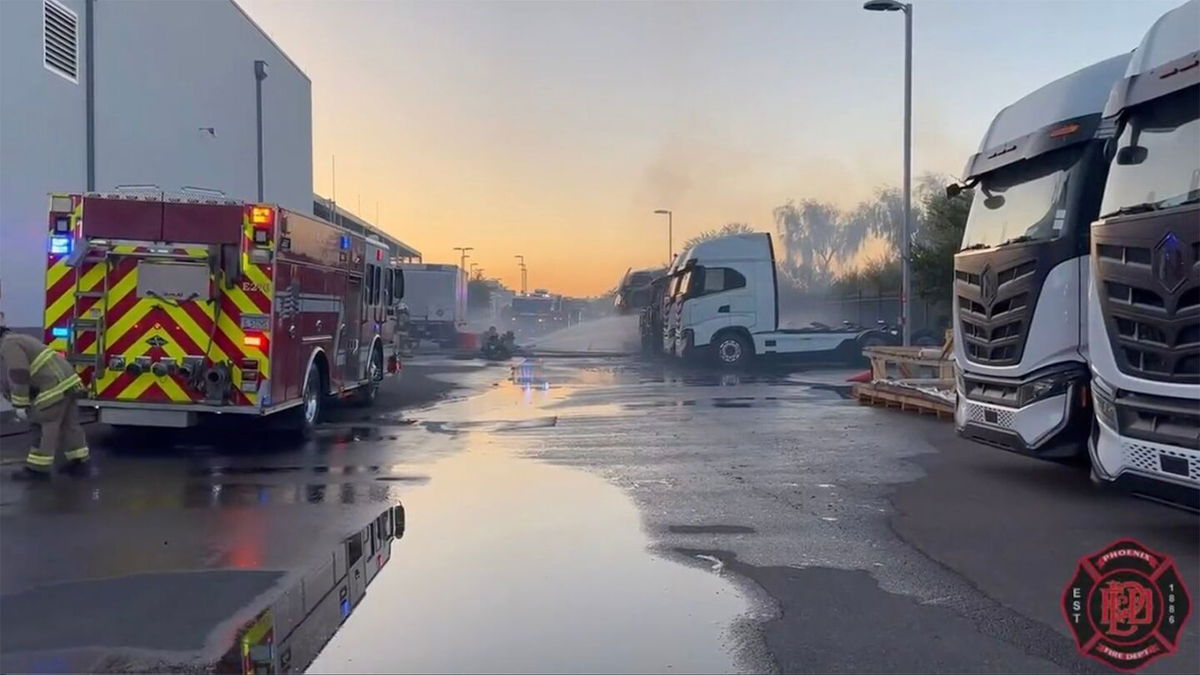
(186, 223)
(173, 280)
(136, 219)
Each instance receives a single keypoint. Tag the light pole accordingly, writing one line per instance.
(523, 272)
(462, 261)
(906, 239)
(260, 74)
(670, 233)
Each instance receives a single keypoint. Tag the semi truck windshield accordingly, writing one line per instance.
(1157, 164)
(1021, 202)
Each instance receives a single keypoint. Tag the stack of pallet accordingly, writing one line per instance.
(919, 379)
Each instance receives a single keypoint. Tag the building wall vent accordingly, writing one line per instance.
(60, 40)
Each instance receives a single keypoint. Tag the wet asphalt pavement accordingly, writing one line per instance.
(594, 515)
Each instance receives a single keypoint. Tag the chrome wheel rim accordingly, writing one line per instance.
(310, 405)
(730, 351)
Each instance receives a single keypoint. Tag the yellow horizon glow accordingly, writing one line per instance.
(555, 130)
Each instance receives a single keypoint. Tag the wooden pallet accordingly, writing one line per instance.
(887, 395)
(904, 363)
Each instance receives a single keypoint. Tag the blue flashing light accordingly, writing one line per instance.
(344, 243)
(60, 245)
(345, 608)
(60, 332)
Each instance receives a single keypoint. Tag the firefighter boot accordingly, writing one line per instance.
(79, 468)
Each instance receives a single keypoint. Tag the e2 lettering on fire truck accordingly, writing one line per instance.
(172, 308)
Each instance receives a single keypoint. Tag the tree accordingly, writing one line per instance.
(814, 236)
(728, 228)
(933, 251)
(881, 215)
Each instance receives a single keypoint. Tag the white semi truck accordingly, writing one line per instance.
(723, 303)
(1020, 278)
(1144, 304)
(436, 296)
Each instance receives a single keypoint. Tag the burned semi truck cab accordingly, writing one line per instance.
(1020, 276)
(1144, 305)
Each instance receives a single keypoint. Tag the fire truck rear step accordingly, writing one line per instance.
(143, 417)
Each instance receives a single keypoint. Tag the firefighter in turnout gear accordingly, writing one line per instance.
(43, 388)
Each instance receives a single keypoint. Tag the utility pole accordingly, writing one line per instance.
(524, 270)
(670, 233)
(906, 234)
(260, 74)
(462, 261)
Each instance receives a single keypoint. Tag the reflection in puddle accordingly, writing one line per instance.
(285, 636)
(216, 495)
(514, 565)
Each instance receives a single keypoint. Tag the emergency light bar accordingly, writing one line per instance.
(60, 245)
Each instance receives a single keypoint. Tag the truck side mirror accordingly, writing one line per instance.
(1132, 155)
(953, 190)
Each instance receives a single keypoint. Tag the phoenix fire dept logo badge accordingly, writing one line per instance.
(1126, 605)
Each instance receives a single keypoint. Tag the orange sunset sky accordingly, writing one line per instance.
(554, 129)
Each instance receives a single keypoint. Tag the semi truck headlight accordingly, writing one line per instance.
(1044, 387)
(1103, 395)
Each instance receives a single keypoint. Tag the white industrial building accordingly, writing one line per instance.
(96, 94)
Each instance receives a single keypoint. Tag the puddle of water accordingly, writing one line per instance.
(513, 565)
(286, 636)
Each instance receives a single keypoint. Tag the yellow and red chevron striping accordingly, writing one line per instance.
(151, 328)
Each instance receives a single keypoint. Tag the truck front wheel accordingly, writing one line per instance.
(731, 350)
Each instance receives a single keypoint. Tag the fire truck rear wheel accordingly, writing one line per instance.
(306, 415)
(369, 391)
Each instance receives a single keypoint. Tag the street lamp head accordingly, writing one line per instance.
(260, 70)
(662, 212)
(884, 6)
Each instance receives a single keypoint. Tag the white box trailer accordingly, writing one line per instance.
(436, 296)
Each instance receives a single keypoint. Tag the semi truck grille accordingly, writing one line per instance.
(1150, 459)
(991, 392)
(1148, 278)
(996, 291)
(1159, 419)
(994, 416)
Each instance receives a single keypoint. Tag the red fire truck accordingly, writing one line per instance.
(175, 307)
